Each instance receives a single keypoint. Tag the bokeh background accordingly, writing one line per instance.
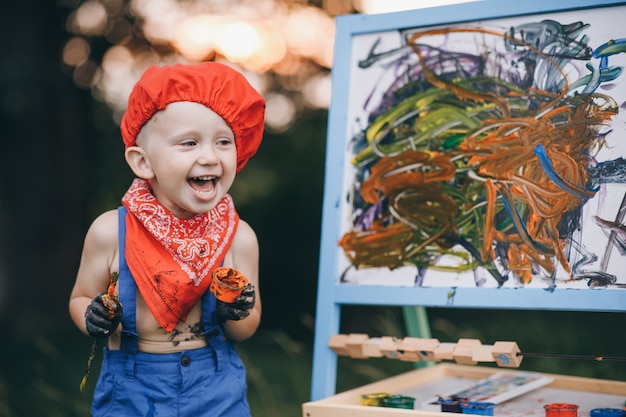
(66, 68)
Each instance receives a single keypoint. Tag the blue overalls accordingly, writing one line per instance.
(209, 381)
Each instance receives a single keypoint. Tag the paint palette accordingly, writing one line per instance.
(497, 388)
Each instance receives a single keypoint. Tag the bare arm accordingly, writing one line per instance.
(96, 265)
(245, 258)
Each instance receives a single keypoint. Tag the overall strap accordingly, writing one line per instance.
(213, 331)
(127, 293)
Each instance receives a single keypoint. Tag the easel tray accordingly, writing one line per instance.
(425, 383)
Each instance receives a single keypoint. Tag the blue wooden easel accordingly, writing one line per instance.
(332, 294)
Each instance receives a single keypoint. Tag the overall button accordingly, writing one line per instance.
(185, 360)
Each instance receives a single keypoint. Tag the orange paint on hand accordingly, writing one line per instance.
(110, 299)
(227, 284)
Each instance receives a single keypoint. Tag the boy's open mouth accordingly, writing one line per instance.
(202, 184)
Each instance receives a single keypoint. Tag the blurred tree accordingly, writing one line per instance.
(285, 47)
(44, 166)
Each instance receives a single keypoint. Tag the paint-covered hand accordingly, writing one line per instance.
(238, 309)
(103, 315)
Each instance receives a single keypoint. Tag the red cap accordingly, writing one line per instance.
(217, 86)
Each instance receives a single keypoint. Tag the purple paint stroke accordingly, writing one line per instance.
(419, 277)
(366, 219)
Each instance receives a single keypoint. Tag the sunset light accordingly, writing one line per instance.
(287, 44)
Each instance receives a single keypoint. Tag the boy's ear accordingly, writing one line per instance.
(138, 162)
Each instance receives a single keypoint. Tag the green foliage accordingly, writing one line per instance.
(279, 373)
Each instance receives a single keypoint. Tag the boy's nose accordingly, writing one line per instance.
(207, 156)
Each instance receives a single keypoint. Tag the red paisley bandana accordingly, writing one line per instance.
(172, 259)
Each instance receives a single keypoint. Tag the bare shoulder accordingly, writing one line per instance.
(245, 239)
(99, 257)
(103, 232)
(101, 244)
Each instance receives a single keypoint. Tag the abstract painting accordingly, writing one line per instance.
(488, 154)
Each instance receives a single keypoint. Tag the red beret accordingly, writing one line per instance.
(217, 86)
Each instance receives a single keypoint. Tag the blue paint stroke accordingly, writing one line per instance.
(518, 222)
(562, 183)
(612, 47)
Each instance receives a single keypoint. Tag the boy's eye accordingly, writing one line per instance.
(189, 143)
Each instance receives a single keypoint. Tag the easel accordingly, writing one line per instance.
(332, 294)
